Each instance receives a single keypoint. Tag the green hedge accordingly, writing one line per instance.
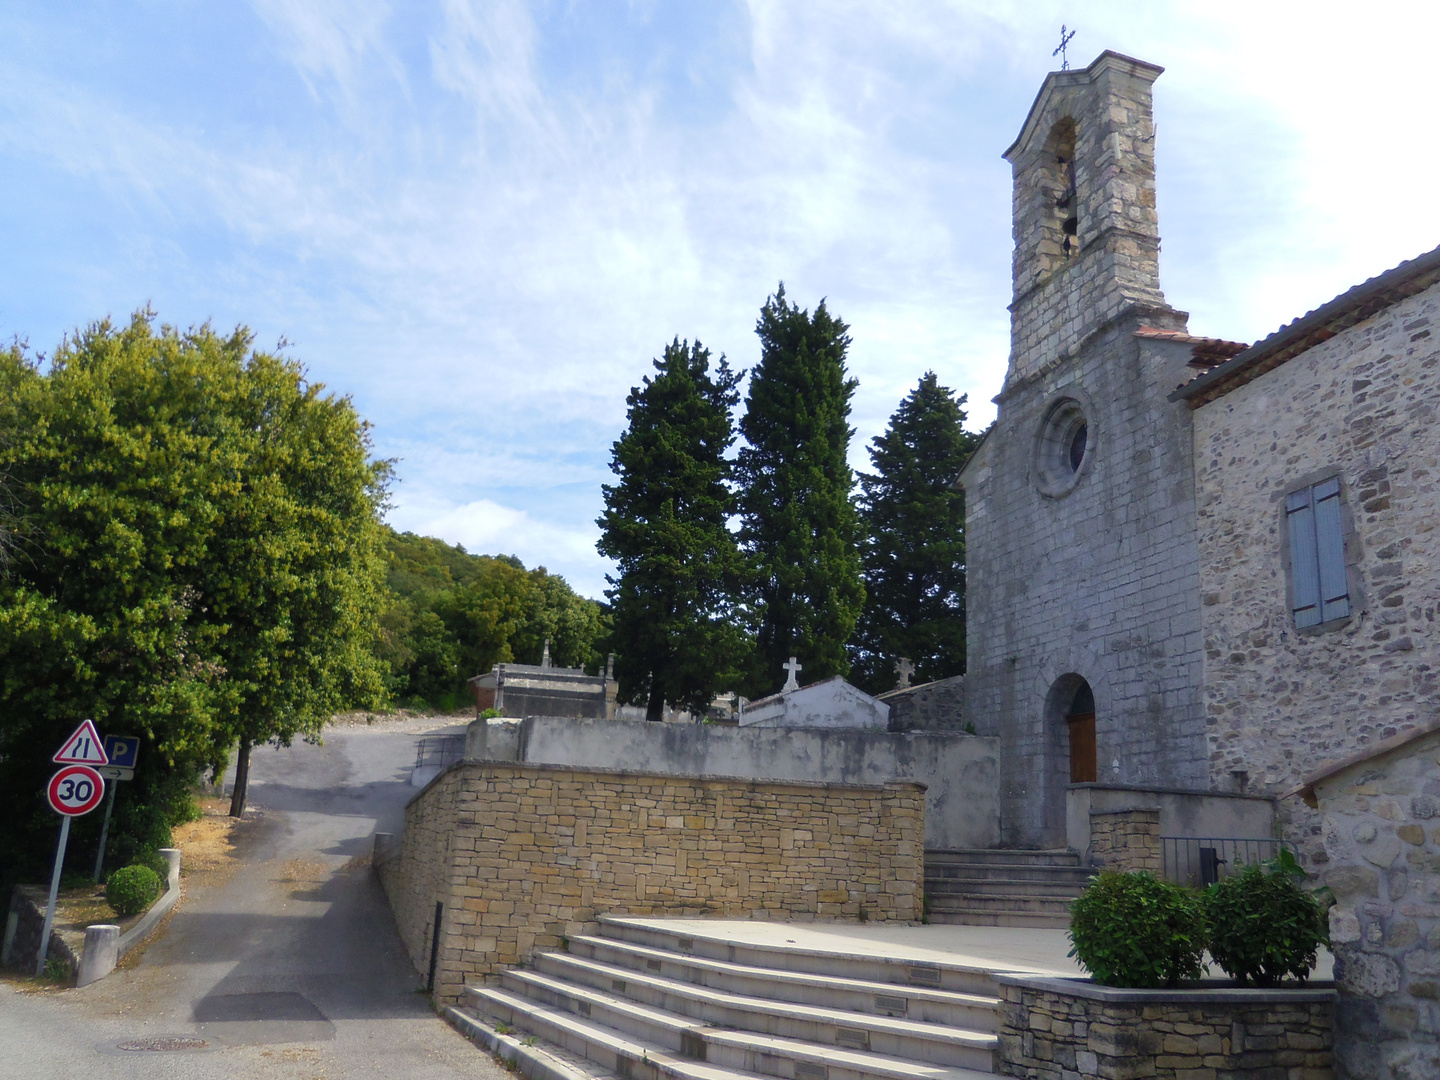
(1260, 926)
(132, 889)
(1131, 929)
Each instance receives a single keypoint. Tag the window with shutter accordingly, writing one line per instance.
(1318, 585)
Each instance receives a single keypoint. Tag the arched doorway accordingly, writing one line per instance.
(1080, 721)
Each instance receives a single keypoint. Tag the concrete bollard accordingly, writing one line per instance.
(101, 952)
(172, 856)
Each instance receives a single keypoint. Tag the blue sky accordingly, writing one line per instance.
(482, 220)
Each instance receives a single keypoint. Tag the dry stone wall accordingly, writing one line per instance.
(523, 855)
(1051, 1031)
(1361, 406)
(1382, 838)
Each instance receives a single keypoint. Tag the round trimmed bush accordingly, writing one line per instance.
(1263, 926)
(132, 889)
(1133, 930)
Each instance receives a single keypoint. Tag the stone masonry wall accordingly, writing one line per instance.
(1361, 406)
(1052, 1034)
(523, 855)
(1382, 839)
(1126, 840)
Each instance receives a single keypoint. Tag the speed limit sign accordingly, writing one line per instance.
(75, 790)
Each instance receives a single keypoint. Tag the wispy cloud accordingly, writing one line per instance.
(483, 219)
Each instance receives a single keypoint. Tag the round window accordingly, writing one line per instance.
(1062, 447)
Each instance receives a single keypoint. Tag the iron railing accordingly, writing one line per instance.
(1203, 860)
(439, 750)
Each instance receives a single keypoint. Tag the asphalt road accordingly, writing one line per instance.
(289, 968)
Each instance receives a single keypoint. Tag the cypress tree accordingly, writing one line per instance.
(665, 526)
(799, 525)
(914, 546)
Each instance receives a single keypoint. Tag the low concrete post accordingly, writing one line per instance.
(172, 856)
(101, 953)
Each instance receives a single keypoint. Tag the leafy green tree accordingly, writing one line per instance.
(450, 615)
(297, 578)
(913, 551)
(121, 472)
(799, 525)
(665, 525)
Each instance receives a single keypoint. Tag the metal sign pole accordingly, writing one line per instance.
(54, 892)
(104, 831)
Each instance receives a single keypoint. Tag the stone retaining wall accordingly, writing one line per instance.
(523, 855)
(1060, 1029)
(1126, 840)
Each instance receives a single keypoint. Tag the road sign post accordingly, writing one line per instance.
(121, 753)
(76, 789)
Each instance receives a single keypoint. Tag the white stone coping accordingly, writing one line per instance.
(1216, 992)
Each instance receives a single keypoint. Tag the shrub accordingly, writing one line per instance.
(132, 889)
(1131, 930)
(1264, 926)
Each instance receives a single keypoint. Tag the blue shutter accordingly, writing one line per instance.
(1304, 559)
(1330, 549)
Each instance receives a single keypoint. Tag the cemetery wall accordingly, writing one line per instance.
(961, 773)
(522, 855)
(1280, 701)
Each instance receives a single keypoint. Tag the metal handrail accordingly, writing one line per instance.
(1203, 860)
(439, 750)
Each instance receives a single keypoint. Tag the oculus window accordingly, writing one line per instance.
(1318, 587)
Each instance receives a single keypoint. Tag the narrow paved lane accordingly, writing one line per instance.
(292, 966)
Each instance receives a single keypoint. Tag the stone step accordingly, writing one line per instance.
(688, 942)
(1079, 875)
(557, 974)
(998, 886)
(1015, 856)
(1002, 902)
(833, 991)
(666, 1047)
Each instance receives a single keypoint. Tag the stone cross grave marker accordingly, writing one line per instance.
(791, 683)
(906, 669)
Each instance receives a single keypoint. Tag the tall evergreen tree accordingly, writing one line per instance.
(914, 546)
(665, 526)
(799, 525)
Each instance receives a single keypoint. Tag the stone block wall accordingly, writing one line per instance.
(1382, 841)
(523, 855)
(1054, 1031)
(1280, 701)
(1126, 840)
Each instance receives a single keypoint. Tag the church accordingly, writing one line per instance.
(1193, 564)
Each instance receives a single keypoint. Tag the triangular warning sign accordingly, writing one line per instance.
(82, 748)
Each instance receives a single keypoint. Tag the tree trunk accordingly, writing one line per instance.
(655, 707)
(242, 779)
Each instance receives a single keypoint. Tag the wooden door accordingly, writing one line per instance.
(1082, 748)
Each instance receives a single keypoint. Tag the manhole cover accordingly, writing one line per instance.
(164, 1042)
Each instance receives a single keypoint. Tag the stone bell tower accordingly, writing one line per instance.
(1087, 239)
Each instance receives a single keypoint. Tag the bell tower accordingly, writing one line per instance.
(1087, 239)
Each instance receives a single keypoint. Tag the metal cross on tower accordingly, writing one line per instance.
(1060, 49)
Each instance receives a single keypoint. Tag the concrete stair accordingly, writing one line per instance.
(997, 887)
(637, 1002)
